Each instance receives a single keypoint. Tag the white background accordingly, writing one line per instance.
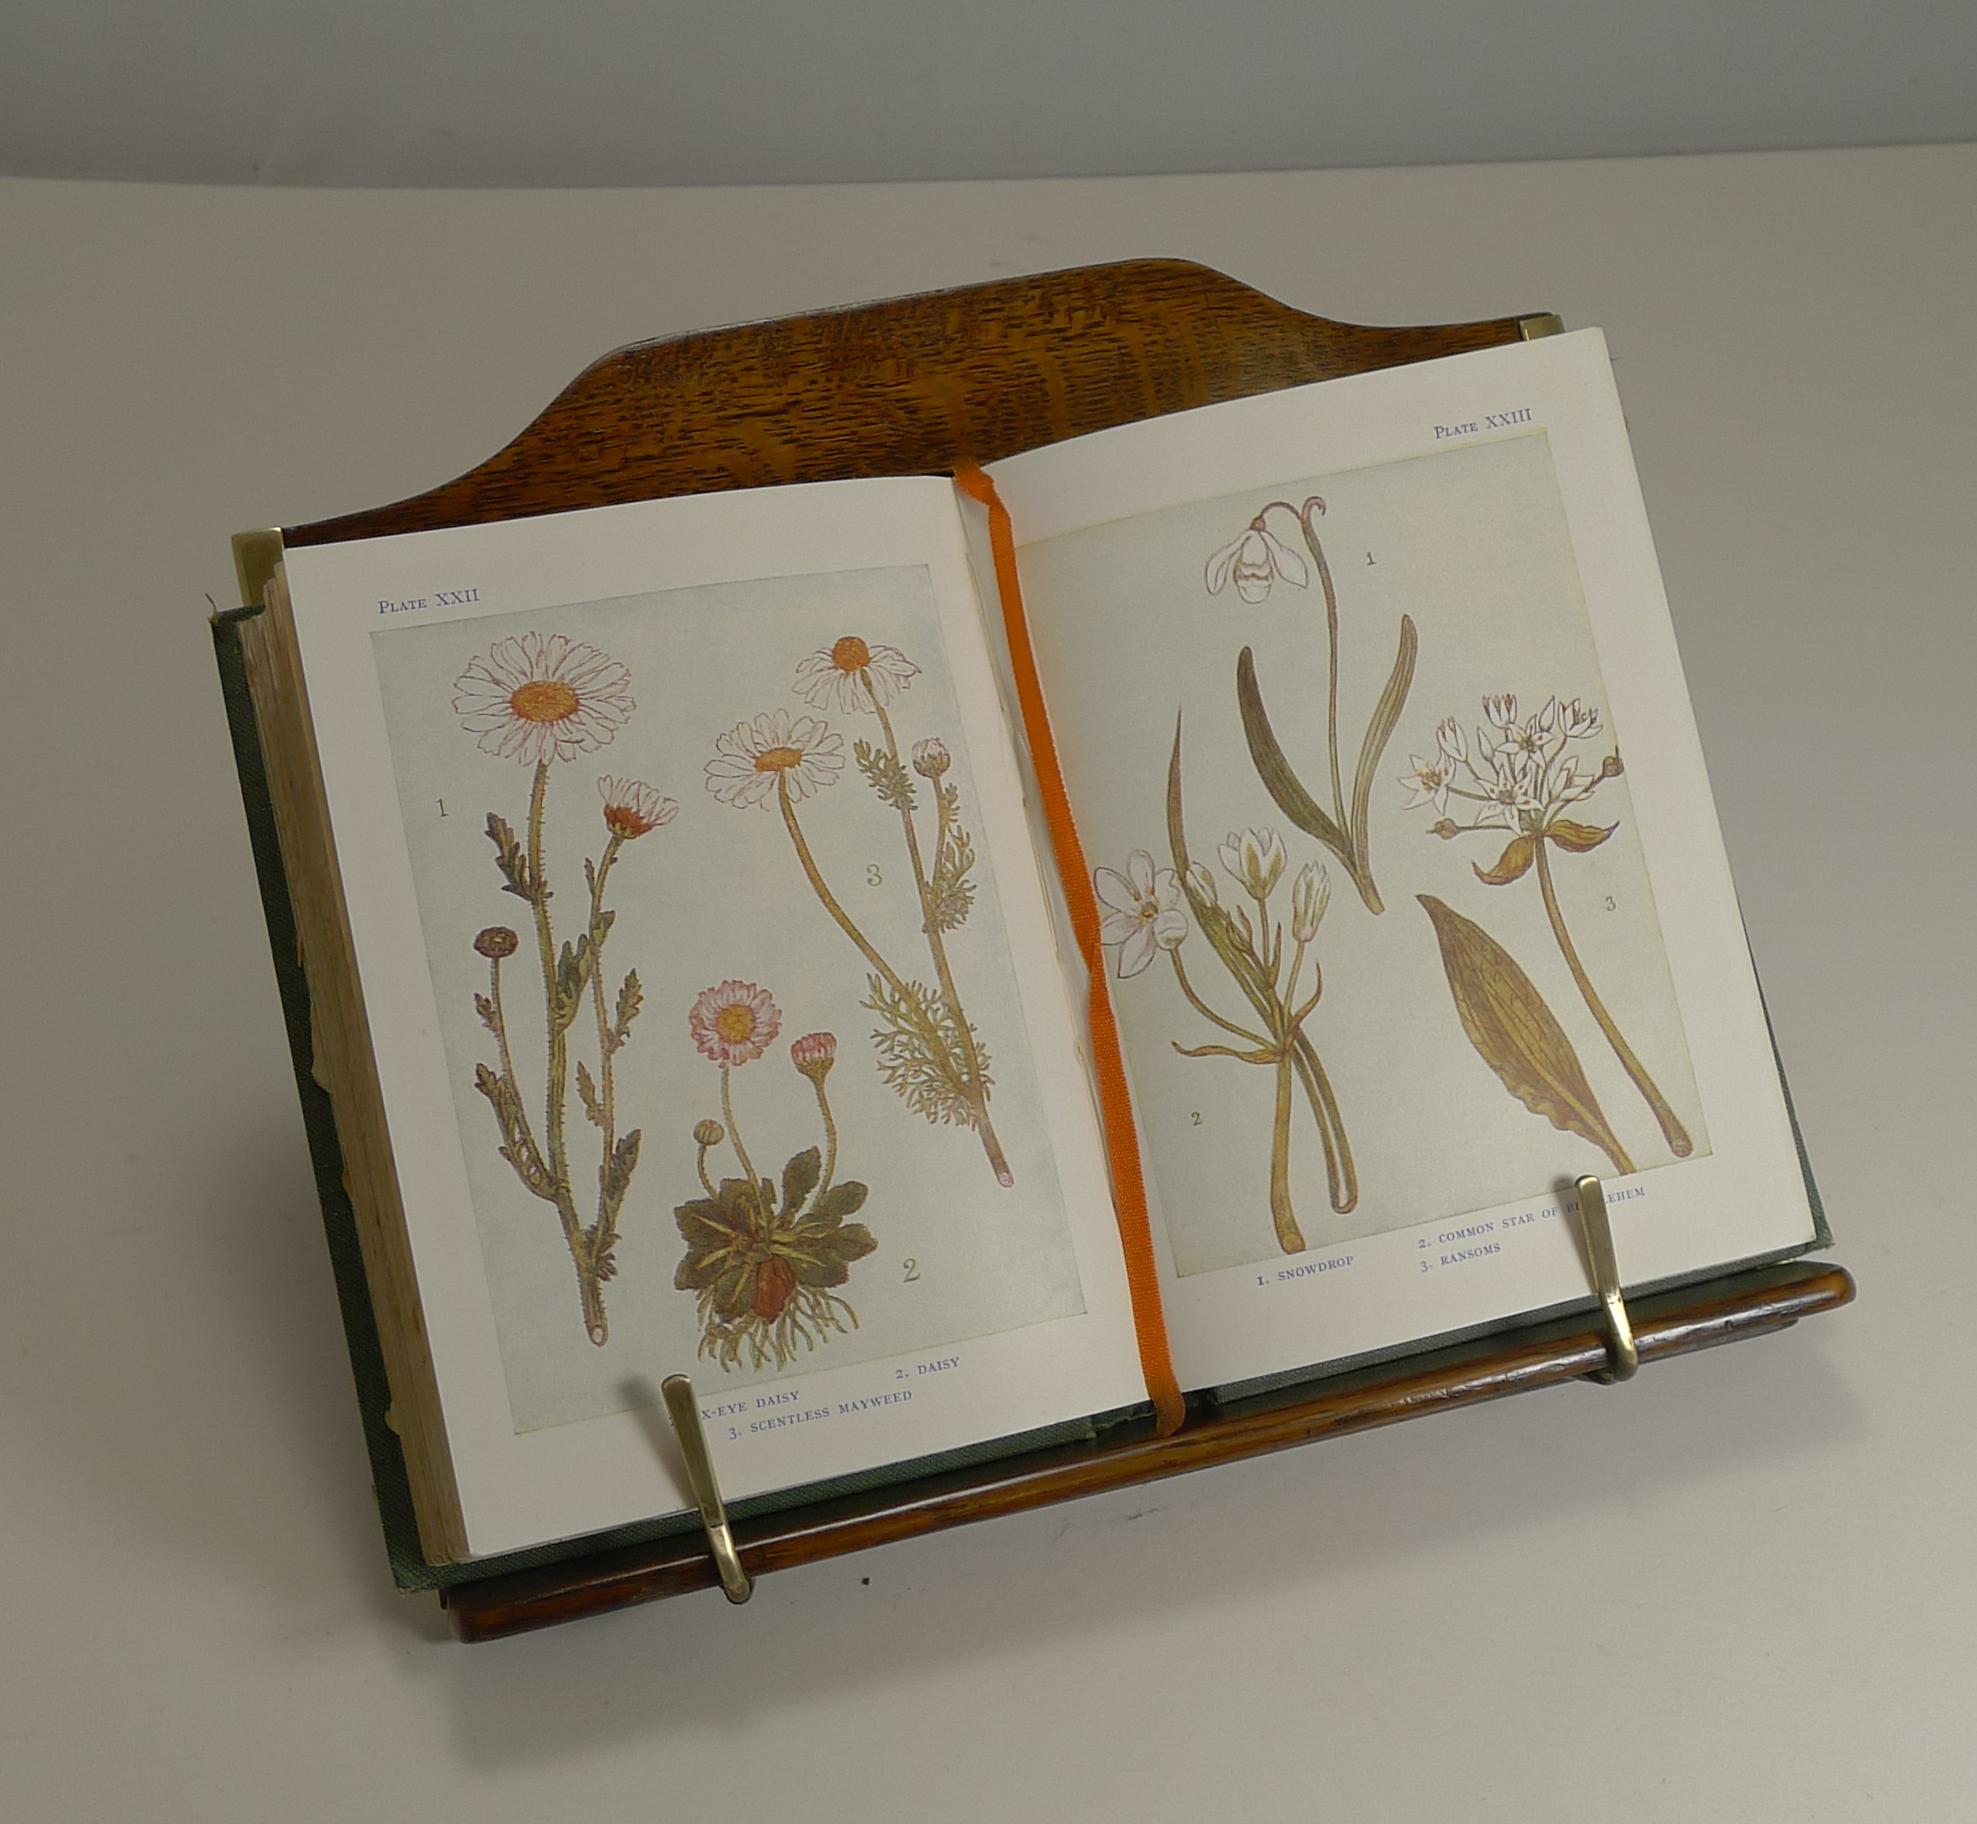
(791, 92)
(1741, 1586)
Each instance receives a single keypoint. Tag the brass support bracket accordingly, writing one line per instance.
(1622, 1351)
(684, 1411)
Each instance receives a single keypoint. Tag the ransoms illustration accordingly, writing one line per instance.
(1521, 777)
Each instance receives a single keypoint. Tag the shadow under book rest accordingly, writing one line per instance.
(916, 386)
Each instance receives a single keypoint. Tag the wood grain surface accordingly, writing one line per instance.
(1720, 1311)
(910, 386)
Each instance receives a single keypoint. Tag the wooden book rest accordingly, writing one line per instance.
(916, 386)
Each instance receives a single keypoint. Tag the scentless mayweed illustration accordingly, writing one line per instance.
(761, 1262)
(1150, 911)
(1254, 561)
(542, 701)
(928, 1051)
(1521, 777)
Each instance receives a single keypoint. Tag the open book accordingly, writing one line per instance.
(692, 970)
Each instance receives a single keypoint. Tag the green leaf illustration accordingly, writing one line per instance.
(885, 775)
(587, 1094)
(822, 1255)
(1177, 835)
(1280, 780)
(630, 998)
(513, 864)
(841, 1200)
(1579, 837)
(1515, 1032)
(617, 1175)
(800, 1177)
(1513, 864)
(1386, 714)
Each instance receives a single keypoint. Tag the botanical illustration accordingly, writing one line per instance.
(1519, 780)
(1516, 1033)
(543, 701)
(1255, 560)
(928, 1051)
(1147, 914)
(763, 1262)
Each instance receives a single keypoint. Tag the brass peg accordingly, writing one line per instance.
(684, 1411)
(1624, 1354)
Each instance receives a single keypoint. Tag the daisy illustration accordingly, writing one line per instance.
(734, 1023)
(929, 1052)
(543, 699)
(764, 1259)
(535, 698)
(633, 809)
(772, 757)
(851, 675)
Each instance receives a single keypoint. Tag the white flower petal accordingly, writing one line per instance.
(1215, 573)
(1289, 565)
(1137, 951)
(1115, 890)
(1115, 927)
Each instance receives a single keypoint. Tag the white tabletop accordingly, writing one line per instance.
(1741, 1586)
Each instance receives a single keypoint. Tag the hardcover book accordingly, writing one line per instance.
(950, 965)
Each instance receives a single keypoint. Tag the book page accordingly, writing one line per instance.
(713, 994)
(1416, 907)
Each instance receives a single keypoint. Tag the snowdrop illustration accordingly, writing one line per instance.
(1254, 562)
(1150, 911)
(1519, 779)
(763, 1262)
(928, 1051)
(543, 701)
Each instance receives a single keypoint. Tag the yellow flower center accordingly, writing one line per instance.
(736, 1023)
(851, 654)
(543, 700)
(778, 759)
(1147, 911)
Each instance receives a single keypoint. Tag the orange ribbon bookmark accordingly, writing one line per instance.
(1114, 1100)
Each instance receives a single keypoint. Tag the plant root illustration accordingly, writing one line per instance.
(1255, 560)
(1522, 776)
(928, 1052)
(1151, 910)
(544, 701)
(761, 1262)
